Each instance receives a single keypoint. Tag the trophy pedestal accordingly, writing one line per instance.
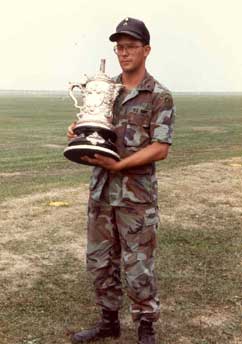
(91, 140)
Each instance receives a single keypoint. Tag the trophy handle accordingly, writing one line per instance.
(71, 88)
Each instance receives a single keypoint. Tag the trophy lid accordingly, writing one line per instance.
(101, 74)
(102, 65)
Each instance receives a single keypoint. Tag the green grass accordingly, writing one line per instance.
(207, 128)
(33, 137)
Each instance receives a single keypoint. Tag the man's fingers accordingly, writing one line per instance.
(86, 158)
(70, 132)
(98, 156)
(101, 157)
(104, 159)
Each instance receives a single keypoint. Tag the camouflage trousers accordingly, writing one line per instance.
(127, 235)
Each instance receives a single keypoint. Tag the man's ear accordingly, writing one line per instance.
(147, 49)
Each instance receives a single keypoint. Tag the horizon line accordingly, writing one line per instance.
(66, 91)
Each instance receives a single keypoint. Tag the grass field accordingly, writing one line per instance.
(44, 289)
(33, 136)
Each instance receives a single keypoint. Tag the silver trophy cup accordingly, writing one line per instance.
(94, 129)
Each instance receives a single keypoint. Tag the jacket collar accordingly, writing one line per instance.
(147, 84)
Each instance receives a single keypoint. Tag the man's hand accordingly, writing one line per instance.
(103, 161)
(70, 133)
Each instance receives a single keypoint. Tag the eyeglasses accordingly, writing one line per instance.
(129, 48)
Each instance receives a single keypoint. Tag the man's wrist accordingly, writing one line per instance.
(120, 165)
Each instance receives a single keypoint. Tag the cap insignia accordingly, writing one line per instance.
(126, 21)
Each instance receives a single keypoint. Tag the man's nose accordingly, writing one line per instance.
(124, 52)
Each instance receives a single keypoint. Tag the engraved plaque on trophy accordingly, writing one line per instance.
(94, 129)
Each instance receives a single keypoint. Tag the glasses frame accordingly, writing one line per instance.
(129, 48)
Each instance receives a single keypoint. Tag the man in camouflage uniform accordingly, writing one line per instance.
(122, 211)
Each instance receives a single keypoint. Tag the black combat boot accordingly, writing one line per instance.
(108, 326)
(146, 333)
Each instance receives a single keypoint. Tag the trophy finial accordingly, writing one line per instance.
(102, 65)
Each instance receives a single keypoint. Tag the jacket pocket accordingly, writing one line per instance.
(137, 188)
(137, 129)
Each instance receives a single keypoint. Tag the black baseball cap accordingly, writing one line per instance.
(132, 27)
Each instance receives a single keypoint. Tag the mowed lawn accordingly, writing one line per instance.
(33, 137)
(44, 288)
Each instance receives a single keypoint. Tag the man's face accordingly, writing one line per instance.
(131, 53)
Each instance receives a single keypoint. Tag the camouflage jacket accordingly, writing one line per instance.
(142, 116)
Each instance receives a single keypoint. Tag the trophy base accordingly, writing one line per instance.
(88, 128)
(90, 142)
(75, 153)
